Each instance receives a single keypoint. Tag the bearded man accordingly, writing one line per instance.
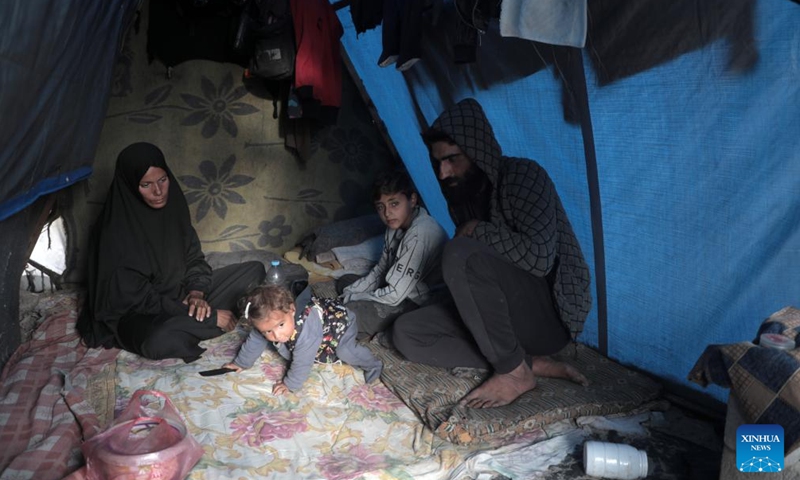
(518, 281)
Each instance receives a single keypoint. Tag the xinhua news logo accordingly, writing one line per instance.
(759, 448)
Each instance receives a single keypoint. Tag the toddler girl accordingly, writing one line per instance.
(303, 331)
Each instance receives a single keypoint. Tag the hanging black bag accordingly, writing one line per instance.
(270, 30)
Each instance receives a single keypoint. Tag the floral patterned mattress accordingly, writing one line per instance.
(336, 427)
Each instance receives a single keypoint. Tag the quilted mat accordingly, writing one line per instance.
(433, 393)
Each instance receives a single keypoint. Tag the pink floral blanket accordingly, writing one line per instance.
(336, 427)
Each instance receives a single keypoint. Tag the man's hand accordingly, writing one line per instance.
(225, 320)
(198, 307)
(466, 228)
(279, 388)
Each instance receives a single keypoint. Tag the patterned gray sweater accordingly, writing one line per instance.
(528, 224)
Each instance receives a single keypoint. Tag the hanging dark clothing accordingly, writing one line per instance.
(143, 261)
(181, 30)
(401, 33)
(366, 14)
(626, 38)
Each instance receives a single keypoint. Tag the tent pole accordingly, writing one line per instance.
(582, 101)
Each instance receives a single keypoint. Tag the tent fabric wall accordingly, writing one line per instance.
(699, 172)
(52, 110)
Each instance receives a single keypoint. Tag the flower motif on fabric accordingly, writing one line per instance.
(353, 463)
(376, 398)
(272, 371)
(352, 149)
(260, 428)
(217, 106)
(273, 231)
(215, 189)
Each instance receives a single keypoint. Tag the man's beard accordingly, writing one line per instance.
(458, 191)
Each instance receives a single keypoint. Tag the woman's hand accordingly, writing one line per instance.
(279, 388)
(225, 320)
(233, 366)
(198, 307)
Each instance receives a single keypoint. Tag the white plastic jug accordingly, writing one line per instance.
(614, 460)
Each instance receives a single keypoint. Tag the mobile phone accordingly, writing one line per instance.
(216, 371)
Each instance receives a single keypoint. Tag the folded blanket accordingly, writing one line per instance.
(766, 381)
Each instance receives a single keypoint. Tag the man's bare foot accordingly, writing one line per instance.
(501, 388)
(547, 367)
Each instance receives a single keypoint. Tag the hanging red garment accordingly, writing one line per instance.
(318, 66)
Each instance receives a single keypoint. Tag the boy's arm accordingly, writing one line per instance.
(305, 352)
(402, 277)
(251, 349)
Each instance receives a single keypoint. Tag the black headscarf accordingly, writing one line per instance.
(141, 260)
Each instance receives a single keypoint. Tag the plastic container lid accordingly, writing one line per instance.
(275, 263)
(774, 340)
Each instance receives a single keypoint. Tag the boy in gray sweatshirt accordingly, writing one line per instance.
(410, 264)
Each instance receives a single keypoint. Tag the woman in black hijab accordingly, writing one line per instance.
(150, 289)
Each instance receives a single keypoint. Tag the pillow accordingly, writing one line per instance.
(338, 234)
(433, 393)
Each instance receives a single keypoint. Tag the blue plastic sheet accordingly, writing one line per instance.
(56, 65)
(699, 170)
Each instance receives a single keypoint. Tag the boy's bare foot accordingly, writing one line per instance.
(501, 388)
(547, 367)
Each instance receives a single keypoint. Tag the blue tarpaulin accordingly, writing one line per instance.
(698, 163)
(697, 154)
(56, 65)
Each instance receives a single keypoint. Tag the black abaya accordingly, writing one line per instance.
(144, 261)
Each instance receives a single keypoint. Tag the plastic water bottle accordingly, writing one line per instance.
(275, 274)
